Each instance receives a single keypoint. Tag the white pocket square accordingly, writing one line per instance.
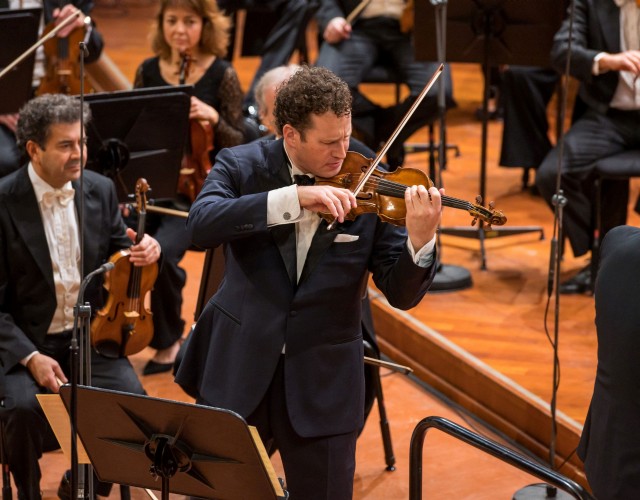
(346, 238)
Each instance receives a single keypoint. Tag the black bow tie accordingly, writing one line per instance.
(303, 180)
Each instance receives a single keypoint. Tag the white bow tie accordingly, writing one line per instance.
(63, 196)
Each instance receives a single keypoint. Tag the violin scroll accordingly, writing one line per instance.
(489, 216)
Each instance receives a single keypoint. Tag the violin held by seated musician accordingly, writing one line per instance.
(124, 326)
(62, 53)
(196, 162)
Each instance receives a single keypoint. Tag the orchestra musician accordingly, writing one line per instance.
(40, 274)
(280, 342)
(54, 11)
(265, 95)
(352, 47)
(199, 30)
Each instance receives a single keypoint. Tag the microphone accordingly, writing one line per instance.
(107, 266)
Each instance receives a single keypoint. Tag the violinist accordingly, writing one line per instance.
(40, 275)
(196, 29)
(280, 342)
(54, 11)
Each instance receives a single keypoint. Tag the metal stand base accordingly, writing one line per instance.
(481, 233)
(450, 278)
(539, 491)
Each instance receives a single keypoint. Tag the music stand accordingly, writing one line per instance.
(491, 32)
(18, 32)
(139, 133)
(171, 446)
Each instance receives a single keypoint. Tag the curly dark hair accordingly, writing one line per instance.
(216, 27)
(311, 90)
(40, 113)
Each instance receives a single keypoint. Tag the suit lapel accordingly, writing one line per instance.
(609, 15)
(24, 210)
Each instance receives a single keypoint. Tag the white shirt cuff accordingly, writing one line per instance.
(424, 256)
(283, 206)
(595, 69)
(26, 359)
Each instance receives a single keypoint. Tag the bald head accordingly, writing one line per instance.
(265, 92)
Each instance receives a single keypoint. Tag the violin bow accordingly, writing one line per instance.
(365, 177)
(42, 40)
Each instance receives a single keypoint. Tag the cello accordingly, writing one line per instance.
(62, 62)
(124, 326)
(196, 162)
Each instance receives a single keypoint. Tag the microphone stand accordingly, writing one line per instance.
(448, 278)
(80, 343)
(559, 201)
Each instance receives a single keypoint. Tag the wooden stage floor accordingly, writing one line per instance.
(495, 330)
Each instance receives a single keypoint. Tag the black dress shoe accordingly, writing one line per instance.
(152, 367)
(580, 283)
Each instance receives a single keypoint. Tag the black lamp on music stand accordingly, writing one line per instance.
(491, 32)
(171, 446)
(139, 133)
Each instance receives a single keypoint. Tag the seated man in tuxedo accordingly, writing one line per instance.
(352, 46)
(605, 55)
(610, 442)
(41, 235)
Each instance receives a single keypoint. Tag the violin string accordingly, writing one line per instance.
(397, 189)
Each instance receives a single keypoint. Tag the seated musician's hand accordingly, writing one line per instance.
(61, 14)
(337, 30)
(144, 253)
(628, 60)
(424, 209)
(46, 371)
(202, 111)
(336, 201)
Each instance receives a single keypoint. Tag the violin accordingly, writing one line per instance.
(383, 192)
(196, 162)
(62, 63)
(124, 326)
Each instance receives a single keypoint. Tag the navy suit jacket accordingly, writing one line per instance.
(596, 29)
(259, 308)
(27, 293)
(610, 443)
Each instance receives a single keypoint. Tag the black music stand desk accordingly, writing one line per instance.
(139, 133)
(171, 446)
(18, 32)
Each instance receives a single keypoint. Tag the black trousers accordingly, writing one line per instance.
(318, 468)
(27, 431)
(592, 137)
(526, 92)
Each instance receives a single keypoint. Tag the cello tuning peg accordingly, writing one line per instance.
(479, 199)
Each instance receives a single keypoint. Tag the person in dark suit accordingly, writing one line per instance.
(610, 442)
(52, 11)
(607, 66)
(280, 342)
(265, 94)
(40, 274)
